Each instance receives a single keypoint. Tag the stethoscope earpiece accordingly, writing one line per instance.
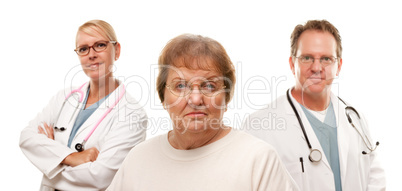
(366, 140)
(371, 149)
(60, 129)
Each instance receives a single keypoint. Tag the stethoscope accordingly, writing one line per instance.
(80, 146)
(315, 154)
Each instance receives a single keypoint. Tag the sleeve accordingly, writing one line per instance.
(376, 181)
(122, 137)
(270, 174)
(46, 154)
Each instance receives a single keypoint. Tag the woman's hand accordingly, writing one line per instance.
(74, 159)
(48, 131)
(77, 158)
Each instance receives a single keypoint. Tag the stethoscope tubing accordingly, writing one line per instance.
(80, 146)
(105, 114)
(315, 154)
(78, 90)
(298, 119)
(368, 144)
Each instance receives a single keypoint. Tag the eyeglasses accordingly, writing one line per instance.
(182, 88)
(98, 47)
(325, 61)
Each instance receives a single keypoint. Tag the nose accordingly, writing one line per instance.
(195, 98)
(316, 65)
(92, 54)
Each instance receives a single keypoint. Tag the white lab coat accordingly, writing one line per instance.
(277, 124)
(123, 128)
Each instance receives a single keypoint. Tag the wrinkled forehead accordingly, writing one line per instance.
(193, 69)
(197, 63)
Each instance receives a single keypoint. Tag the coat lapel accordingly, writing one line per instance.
(343, 131)
(97, 115)
(315, 144)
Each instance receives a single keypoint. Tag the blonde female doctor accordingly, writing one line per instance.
(81, 137)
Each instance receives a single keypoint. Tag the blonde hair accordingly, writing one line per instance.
(100, 27)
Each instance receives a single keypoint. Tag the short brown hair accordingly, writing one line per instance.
(183, 50)
(320, 25)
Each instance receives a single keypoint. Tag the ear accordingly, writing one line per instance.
(117, 51)
(292, 64)
(339, 67)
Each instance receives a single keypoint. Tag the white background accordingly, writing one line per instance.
(38, 38)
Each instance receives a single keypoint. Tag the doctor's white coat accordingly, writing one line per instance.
(123, 128)
(277, 124)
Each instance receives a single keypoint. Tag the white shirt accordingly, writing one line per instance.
(237, 162)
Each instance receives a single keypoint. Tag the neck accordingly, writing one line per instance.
(100, 88)
(187, 140)
(315, 102)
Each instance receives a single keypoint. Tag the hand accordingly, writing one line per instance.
(48, 131)
(77, 158)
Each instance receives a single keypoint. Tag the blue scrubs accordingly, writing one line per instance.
(84, 115)
(326, 133)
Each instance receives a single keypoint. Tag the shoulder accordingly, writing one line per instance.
(147, 147)
(129, 106)
(276, 106)
(252, 144)
(76, 91)
(64, 93)
(271, 117)
(131, 102)
(145, 152)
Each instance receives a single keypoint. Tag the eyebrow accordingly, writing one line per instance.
(208, 78)
(314, 57)
(93, 43)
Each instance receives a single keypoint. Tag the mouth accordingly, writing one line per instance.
(93, 66)
(316, 79)
(196, 114)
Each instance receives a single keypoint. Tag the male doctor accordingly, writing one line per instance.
(322, 150)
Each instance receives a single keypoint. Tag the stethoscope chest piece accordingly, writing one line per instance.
(315, 155)
(79, 147)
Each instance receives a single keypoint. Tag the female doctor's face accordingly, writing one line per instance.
(315, 78)
(97, 65)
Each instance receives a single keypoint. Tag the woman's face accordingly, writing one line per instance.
(195, 112)
(97, 65)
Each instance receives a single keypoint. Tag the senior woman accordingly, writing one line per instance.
(81, 137)
(195, 83)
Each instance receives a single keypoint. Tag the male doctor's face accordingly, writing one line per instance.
(315, 78)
